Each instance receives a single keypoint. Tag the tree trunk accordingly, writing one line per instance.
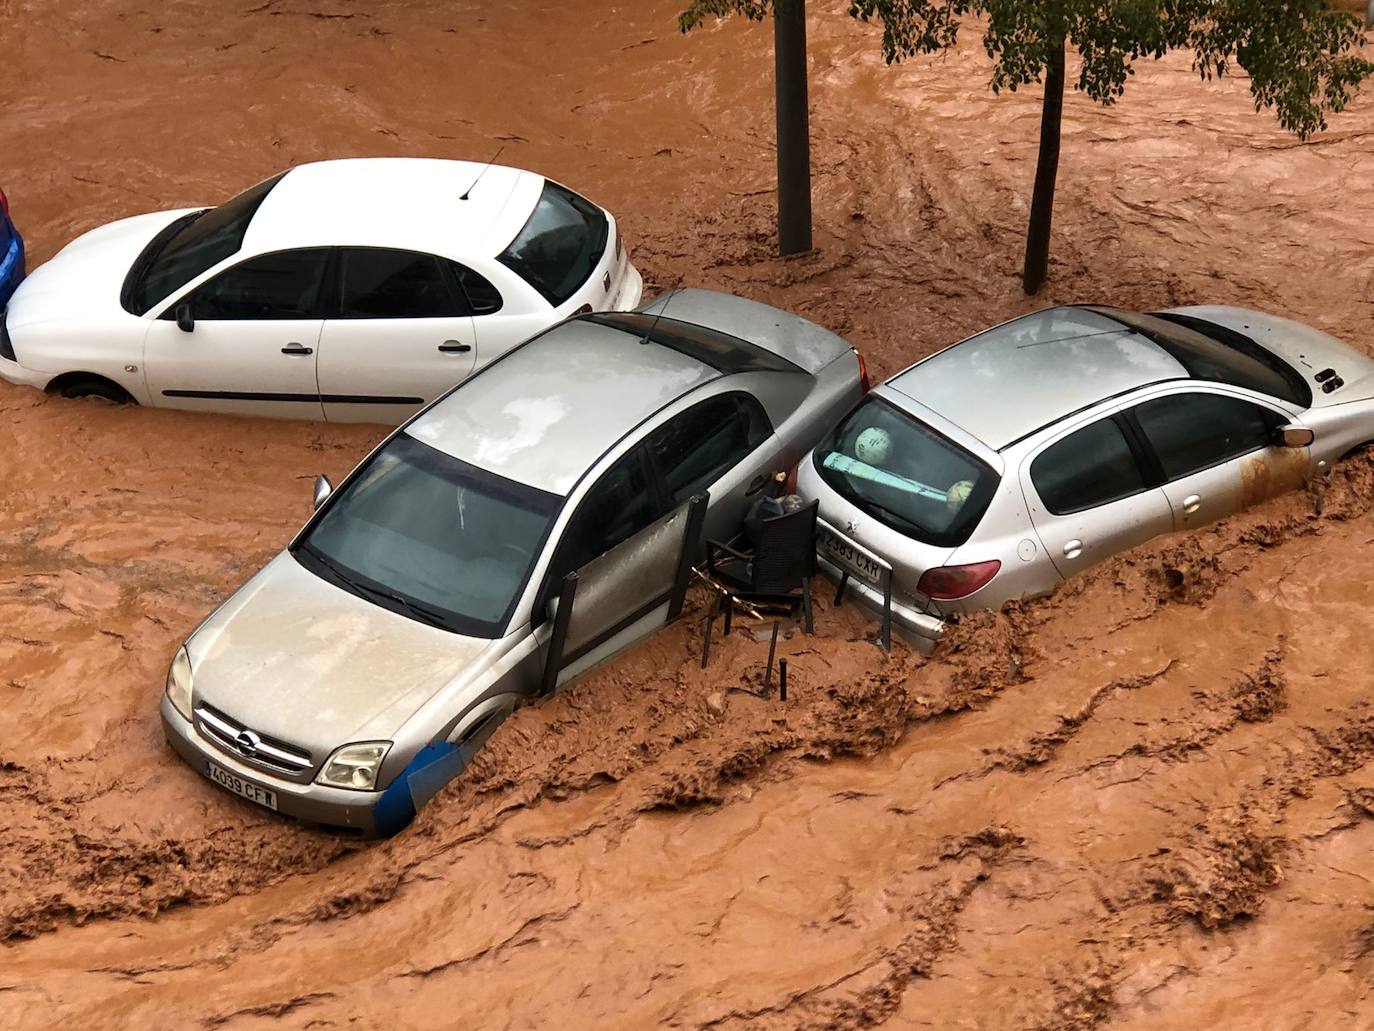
(1046, 172)
(794, 140)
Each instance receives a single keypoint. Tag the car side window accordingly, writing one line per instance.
(697, 447)
(284, 285)
(622, 503)
(482, 297)
(1192, 432)
(1090, 467)
(376, 283)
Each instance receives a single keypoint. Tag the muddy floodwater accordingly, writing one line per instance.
(1146, 802)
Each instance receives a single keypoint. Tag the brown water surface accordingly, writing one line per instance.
(1143, 803)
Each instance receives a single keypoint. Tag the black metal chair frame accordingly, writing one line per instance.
(759, 594)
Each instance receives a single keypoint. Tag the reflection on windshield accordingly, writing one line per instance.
(202, 242)
(906, 474)
(433, 538)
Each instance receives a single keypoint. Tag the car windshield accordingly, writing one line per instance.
(561, 244)
(906, 475)
(433, 538)
(1212, 353)
(191, 245)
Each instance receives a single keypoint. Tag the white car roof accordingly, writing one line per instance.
(547, 411)
(408, 203)
(1009, 381)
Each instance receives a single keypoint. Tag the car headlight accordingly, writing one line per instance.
(355, 766)
(179, 683)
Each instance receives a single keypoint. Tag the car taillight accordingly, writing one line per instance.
(946, 583)
(863, 374)
(4, 203)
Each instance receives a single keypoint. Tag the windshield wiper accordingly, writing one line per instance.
(424, 614)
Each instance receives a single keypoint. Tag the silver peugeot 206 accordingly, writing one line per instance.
(428, 596)
(999, 466)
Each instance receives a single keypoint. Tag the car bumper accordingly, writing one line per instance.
(13, 372)
(921, 629)
(12, 269)
(631, 290)
(335, 807)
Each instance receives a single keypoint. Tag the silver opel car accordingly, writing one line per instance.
(359, 671)
(1018, 457)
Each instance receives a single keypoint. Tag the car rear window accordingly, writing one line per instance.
(561, 244)
(1210, 352)
(906, 474)
(190, 246)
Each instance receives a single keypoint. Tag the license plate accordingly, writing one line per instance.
(243, 788)
(846, 555)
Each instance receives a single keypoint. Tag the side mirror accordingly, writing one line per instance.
(323, 488)
(185, 321)
(1295, 436)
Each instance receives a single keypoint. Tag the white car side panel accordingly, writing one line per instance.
(235, 366)
(366, 360)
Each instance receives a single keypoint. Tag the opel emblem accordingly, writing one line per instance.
(247, 743)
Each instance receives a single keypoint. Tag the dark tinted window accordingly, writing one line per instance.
(387, 284)
(1088, 468)
(1190, 432)
(285, 285)
(1220, 357)
(191, 246)
(483, 298)
(703, 443)
(906, 474)
(560, 245)
(621, 504)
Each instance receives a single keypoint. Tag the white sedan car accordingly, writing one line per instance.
(352, 291)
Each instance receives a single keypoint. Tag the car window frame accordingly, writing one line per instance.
(753, 410)
(322, 300)
(1199, 387)
(338, 268)
(1146, 461)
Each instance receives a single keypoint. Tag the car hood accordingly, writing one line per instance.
(293, 657)
(1308, 350)
(84, 278)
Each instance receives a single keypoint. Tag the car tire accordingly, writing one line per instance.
(95, 387)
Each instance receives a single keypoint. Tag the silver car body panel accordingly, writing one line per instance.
(544, 418)
(330, 668)
(1008, 381)
(1034, 545)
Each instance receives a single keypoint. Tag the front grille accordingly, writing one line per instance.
(251, 747)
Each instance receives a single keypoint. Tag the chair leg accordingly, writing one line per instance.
(729, 603)
(809, 622)
(706, 640)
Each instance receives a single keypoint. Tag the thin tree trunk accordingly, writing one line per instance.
(794, 138)
(1046, 172)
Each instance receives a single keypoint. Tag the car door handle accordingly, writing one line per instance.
(454, 347)
(1192, 503)
(757, 484)
(1073, 548)
(297, 349)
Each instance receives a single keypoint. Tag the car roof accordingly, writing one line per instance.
(1007, 382)
(408, 203)
(548, 410)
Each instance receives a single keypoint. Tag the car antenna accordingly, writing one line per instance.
(483, 172)
(659, 314)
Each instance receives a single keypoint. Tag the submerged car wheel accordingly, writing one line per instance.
(93, 386)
